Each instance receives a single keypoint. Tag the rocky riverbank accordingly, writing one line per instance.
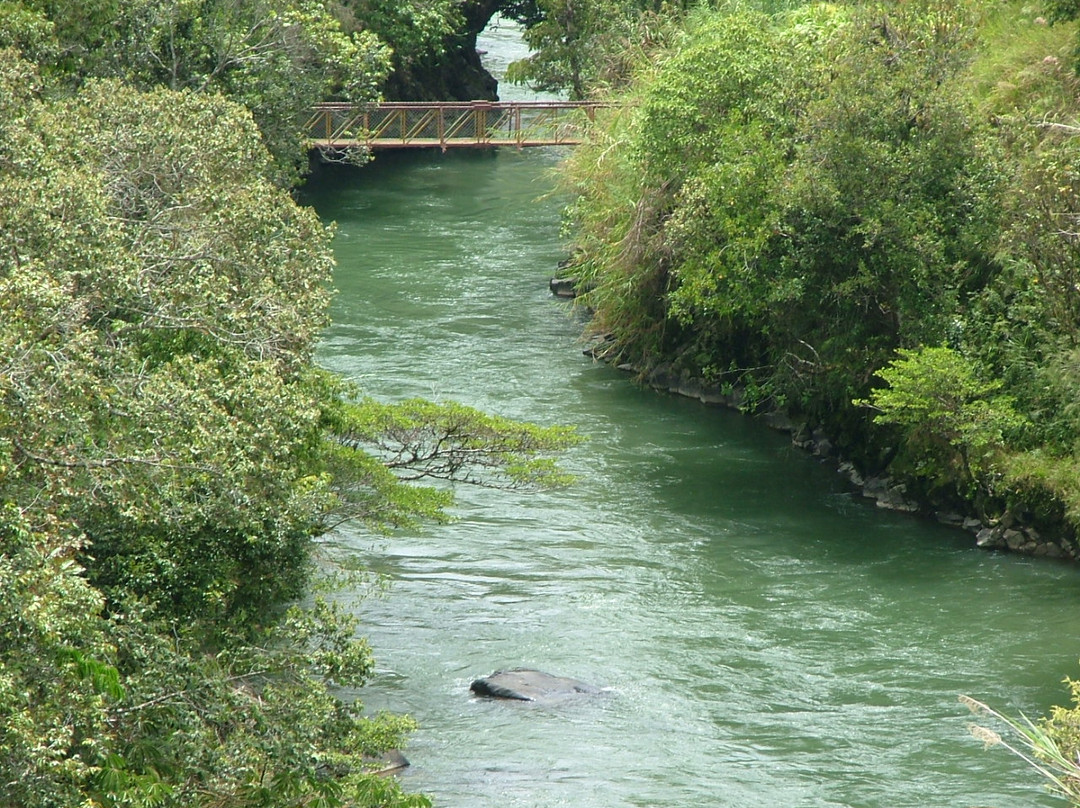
(1005, 533)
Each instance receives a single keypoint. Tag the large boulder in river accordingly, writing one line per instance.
(525, 684)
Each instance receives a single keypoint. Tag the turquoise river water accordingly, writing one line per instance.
(766, 638)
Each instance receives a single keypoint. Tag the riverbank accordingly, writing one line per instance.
(1005, 533)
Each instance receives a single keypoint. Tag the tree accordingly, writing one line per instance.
(115, 710)
(583, 45)
(562, 41)
(413, 30)
(805, 193)
(409, 441)
(682, 257)
(162, 313)
(275, 57)
(159, 346)
(952, 423)
(58, 676)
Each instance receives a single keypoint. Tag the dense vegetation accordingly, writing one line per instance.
(863, 215)
(169, 453)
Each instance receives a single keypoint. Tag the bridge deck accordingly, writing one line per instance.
(446, 125)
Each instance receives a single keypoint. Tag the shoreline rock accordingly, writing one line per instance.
(387, 763)
(566, 288)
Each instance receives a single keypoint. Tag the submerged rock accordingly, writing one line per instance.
(525, 684)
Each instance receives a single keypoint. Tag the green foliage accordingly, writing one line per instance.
(786, 201)
(82, 30)
(614, 223)
(562, 38)
(582, 46)
(813, 191)
(27, 31)
(1063, 725)
(164, 307)
(591, 47)
(952, 424)
(1044, 485)
(1061, 10)
(124, 711)
(866, 215)
(1022, 74)
(719, 125)
(375, 452)
(254, 724)
(275, 57)
(58, 679)
(890, 201)
(418, 439)
(1045, 224)
(413, 29)
(157, 352)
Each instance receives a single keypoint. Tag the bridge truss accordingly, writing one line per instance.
(447, 125)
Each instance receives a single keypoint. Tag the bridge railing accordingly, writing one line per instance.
(475, 124)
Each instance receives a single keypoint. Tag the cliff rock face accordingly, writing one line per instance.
(457, 74)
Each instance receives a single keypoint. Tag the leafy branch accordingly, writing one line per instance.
(419, 440)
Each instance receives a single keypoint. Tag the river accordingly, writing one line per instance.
(766, 638)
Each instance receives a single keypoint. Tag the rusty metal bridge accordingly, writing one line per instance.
(448, 125)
